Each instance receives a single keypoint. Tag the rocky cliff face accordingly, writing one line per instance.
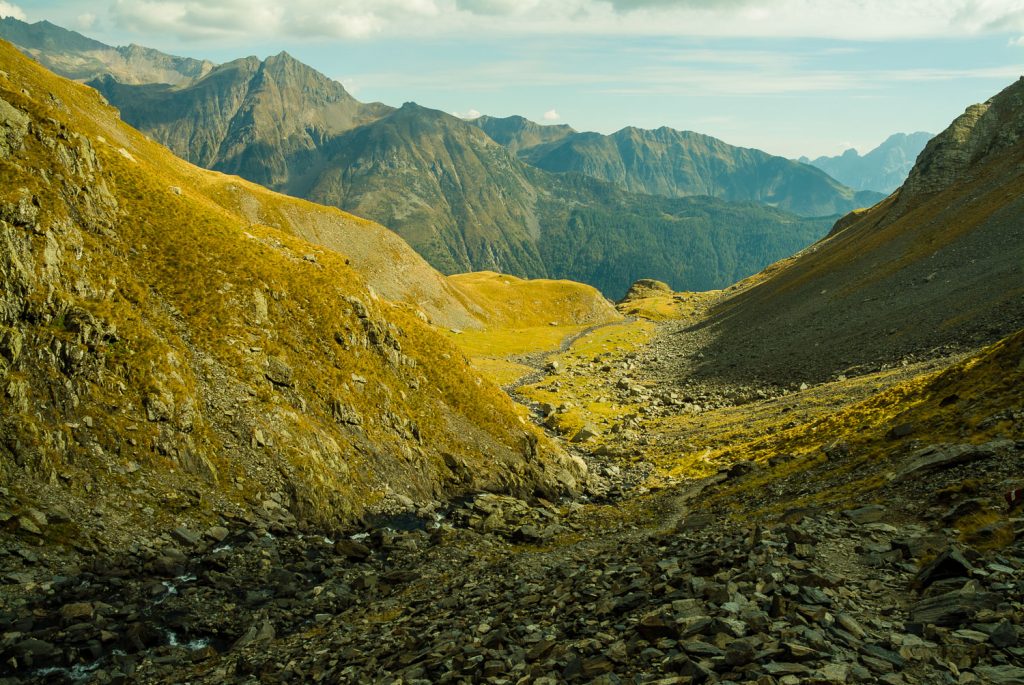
(959, 152)
(161, 347)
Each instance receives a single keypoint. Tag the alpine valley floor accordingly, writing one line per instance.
(840, 532)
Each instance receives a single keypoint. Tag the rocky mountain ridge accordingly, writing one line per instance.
(75, 56)
(672, 163)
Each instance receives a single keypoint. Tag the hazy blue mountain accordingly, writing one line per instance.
(883, 169)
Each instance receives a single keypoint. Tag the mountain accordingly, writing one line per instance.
(264, 120)
(681, 164)
(71, 54)
(192, 345)
(883, 169)
(516, 133)
(459, 198)
(938, 267)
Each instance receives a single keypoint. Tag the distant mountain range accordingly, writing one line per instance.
(501, 194)
(675, 163)
(74, 56)
(883, 169)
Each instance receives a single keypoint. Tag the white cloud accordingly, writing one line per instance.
(85, 21)
(353, 19)
(469, 116)
(551, 115)
(1017, 41)
(9, 9)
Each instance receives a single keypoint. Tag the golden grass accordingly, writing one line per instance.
(177, 274)
(510, 342)
(511, 303)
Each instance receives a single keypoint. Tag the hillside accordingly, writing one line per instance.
(883, 169)
(683, 163)
(170, 341)
(74, 56)
(937, 267)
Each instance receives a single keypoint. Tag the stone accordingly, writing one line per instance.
(1001, 675)
(900, 431)
(587, 432)
(76, 612)
(870, 513)
(739, 653)
(937, 457)
(185, 536)
(352, 549)
(1004, 635)
(216, 533)
(950, 564)
(953, 609)
(279, 373)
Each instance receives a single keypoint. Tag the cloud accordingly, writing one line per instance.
(552, 115)
(468, 116)
(358, 19)
(496, 7)
(85, 21)
(9, 9)
(1019, 41)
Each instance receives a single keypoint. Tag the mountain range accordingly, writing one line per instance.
(883, 169)
(673, 163)
(466, 202)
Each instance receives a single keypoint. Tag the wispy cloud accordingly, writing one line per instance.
(552, 115)
(357, 19)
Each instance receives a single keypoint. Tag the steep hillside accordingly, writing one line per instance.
(938, 266)
(166, 345)
(883, 169)
(74, 56)
(683, 163)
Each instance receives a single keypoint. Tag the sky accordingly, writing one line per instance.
(792, 77)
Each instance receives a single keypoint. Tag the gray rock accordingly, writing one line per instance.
(954, 609)
(870, 513)
(279, 373)
(1001, 675)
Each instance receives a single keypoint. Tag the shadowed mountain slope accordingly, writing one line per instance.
(938, 266)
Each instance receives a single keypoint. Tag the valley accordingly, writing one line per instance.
(248, 438)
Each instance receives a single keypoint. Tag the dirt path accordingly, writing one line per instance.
(536, 360)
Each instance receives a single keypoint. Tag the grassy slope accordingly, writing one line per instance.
(524, 317)
(197, 302)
